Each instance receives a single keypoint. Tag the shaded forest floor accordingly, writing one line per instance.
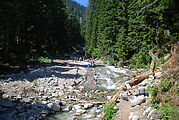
(8, 69)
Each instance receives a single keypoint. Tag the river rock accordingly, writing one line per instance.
(124, 96)
(136, 92)
(126, 79)
(93, 111)
(29, 99)
(116, 107)
(54, 106)
(154, 115)
(18, 97)
(109, 97)
(80, 112)
(145, 82)
(158, 74)
(68, 108)
(76, 107)
(55, 84)
(141, 90)
(5, 96)
(54, 94)
(98, 111)
(49, 105)
(150, 113)
(88, 105)
(135, 117)
(44, 97)
(146, 112)
(132, 116)
(44, 102)
(128, 85)
(137, 101)
(100, 106)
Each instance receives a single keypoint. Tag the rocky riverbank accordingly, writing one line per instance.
(58, 87)
(135, 101)
(59, 91)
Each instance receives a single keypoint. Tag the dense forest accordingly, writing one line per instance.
(35, 36)
(76, 9)
(30, 29)
(123, 31)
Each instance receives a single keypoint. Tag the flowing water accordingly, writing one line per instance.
(100, 78)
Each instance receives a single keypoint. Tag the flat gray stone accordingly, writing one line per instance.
(137, 101)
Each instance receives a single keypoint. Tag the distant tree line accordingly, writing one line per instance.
(76, 9)
(32, 28)
(123, 31)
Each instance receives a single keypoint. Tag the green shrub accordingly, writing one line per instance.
(109, 111)
(96, 53)
(169, 112)
(163, 60)
(162, 97)
(165, 85)
(44, 59)
(140, 60)
(111, 61)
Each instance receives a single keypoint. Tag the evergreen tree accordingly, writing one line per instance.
(127, 29)
(32, 28)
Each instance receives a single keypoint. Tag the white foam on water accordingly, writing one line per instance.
(118, 70)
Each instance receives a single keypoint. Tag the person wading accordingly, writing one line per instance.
(76, 68)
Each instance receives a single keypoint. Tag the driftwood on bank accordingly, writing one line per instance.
(116, 96)
(140, 78)
(136, 81)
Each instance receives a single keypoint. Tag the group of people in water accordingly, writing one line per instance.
(91, 64)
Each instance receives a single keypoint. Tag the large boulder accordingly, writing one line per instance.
(137, 101)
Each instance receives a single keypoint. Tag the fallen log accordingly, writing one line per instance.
(140, 78)
(116, 96)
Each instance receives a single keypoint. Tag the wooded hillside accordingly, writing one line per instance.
(124, 31)
(30, 29)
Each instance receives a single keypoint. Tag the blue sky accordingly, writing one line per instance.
(83, 2)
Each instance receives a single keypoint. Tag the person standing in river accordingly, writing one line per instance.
(76, 68)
